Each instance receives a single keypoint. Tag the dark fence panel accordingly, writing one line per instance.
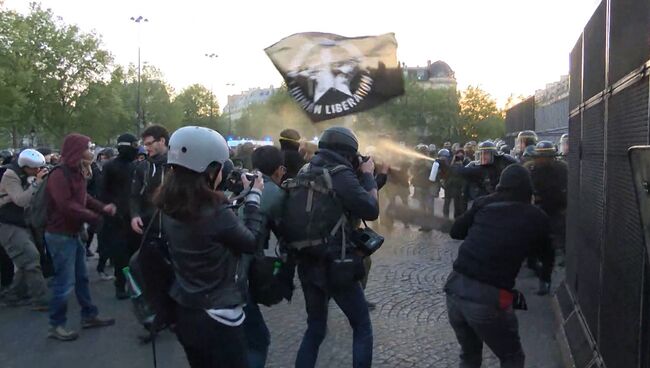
(592, 210)
(624, 253)
(594, 54)
(575, 75)
(629, 43)
(574, 242)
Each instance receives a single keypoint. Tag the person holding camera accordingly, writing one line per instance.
(19, 183)
(327, 197)
(499, 232)
(206, 240)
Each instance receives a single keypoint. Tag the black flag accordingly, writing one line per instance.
(332, 76)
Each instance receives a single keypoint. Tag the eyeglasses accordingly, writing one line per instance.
(149, 143)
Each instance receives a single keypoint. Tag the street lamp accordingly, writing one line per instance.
(212, 56)
(230, 111)
(140, 119)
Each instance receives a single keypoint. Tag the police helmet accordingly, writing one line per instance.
(545, 149)
(444, 153)
(486, 152)
(527, 138)
(339, 139)
(196, 148)
(432, 148)
(422, 148)
(31, 158)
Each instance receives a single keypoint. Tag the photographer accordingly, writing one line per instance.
(499, 232)
(19, 182)
(206, 240)
(347, 191)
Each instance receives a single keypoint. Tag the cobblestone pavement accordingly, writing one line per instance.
(410, 322)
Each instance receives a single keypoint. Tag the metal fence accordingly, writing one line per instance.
(607, 265)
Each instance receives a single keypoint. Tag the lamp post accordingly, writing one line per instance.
(140, 116)
(230, 111)
(32, 134)
(212, 57)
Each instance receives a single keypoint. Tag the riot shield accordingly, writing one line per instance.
(639, 157)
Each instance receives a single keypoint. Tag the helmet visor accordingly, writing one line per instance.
(485, 156)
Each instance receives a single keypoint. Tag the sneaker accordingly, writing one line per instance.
(97, 322)
(61, 334)
(106, 277)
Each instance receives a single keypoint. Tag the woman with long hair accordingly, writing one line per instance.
(206, 240)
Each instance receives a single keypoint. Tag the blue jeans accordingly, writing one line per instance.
(69, 259)
(353, 304)
(257, 334)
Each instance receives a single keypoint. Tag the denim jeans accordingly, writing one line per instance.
(353, 304)
(257, 334)
(475, 324)
(69, 259)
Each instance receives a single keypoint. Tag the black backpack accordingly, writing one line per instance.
(311, 209)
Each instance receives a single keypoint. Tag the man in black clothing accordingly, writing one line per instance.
(499, 232)
(147, 178)
(289, 145)
(115, 188)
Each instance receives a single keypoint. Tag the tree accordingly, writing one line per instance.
(479, 116)
(198, 105)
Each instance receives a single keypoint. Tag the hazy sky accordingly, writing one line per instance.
(504, 46)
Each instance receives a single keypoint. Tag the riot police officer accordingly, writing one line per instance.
(483, 174)
(564, 146)
(550, 178)
(423, 188)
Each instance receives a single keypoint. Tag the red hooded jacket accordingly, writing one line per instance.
(68, 203)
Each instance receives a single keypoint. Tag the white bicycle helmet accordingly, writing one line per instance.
(31, 158)
(195, 148)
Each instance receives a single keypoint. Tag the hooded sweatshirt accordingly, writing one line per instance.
(68, 203)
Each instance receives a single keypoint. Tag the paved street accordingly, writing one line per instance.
(410, 323)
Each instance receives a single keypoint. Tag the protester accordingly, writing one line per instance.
(498, 233)
(19, 182)
(68, 207)
(423, 188)
(206, 240)
(117, 233)
(147, 178)
(269, 161)
(290, 145)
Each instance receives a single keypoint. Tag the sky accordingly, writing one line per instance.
(504, 46)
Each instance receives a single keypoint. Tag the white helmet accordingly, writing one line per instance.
(31, 158)
(195, 148)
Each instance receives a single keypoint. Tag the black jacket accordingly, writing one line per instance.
(351, 188)
(206, 256)
(549, 185)
(147, 177)
(498, 235)
(293, 161)
(115, 186)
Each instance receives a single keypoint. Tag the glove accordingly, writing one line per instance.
(544, 288)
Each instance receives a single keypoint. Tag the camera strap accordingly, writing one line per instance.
(339, 225)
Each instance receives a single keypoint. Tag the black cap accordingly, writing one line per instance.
(340, 139)
(127, 138)
(517, 178)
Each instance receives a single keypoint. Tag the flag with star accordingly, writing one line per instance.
(330, 76)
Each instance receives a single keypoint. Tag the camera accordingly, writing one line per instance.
(233, 182)
(367, 240)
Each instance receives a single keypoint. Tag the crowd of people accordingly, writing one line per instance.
(209, 233)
